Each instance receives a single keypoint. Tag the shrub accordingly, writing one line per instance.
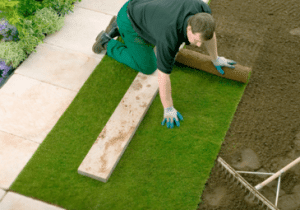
(8, 32)
(9, 11)
(31, 30)
(31, 33)
(45, 21)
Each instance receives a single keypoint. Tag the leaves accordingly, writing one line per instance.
(31, 28)
(9, 11)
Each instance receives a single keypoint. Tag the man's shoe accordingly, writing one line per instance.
(101, 43)
(112, 29)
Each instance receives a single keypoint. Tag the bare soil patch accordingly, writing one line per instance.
(265, 132)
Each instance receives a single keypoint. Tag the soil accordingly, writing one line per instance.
(265, 131)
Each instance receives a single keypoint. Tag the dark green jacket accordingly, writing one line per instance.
(163, 23)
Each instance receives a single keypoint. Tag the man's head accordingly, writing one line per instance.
(201, 28)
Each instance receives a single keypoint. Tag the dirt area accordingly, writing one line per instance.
(265, 132)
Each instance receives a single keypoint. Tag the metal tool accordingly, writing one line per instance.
(235, 176)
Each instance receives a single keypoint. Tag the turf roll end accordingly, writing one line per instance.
(203, 62)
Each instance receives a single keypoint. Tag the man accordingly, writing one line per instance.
(166, 24)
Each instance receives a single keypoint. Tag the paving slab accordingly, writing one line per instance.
(15, 152)
(14, 201)
(2, 193)
(111, 143)
(30, 108)
(59, 66)
(80, 31)
(111, 7)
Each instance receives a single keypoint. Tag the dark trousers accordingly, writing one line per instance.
(136, 53)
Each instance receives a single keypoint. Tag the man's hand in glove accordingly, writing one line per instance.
(171, 115)
(221, 61)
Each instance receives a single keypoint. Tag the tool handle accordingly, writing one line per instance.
(277, 174)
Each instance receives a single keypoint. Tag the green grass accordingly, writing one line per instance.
(161, 169)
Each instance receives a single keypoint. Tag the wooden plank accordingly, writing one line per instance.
(111, 143)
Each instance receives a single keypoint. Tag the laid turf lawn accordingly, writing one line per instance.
(161, 169)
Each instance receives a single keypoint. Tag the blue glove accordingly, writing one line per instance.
(170, 114)
(221, 61)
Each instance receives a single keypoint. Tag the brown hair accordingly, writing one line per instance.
(202, 23)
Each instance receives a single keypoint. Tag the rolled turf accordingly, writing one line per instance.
(161, 168)
(200, 61)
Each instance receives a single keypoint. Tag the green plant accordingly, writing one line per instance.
(9, 11)
(27, 8)
(62, 7)
(31, 33)
(33, 20)
(12, 53)
(45, 21)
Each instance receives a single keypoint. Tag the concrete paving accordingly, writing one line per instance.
(14, 201)
(29, 108)
(15, 152)
(2, 193)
